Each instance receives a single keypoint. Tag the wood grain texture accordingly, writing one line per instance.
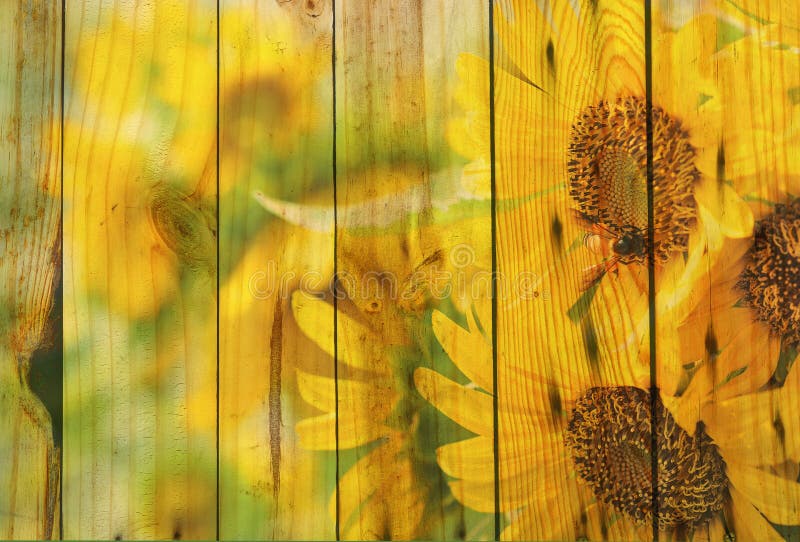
(140, 283)
(378, 170)
(397, 230)
(739, 82)
(30, 216)
(558, 333)
(276, 146)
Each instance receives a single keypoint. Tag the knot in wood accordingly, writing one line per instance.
(182, 227)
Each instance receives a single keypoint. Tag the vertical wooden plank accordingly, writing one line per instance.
(30, 218)
(140, 278)
(735, 312)
(399, 229)
(276, 103)
(574, 440)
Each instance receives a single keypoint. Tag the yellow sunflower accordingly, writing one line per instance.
(746, 308)
(754, 109)
(574, 448)
(138, 150)
(273, 77)
(570, 122)
(368, 394)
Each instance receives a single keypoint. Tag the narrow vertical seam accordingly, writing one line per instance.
(218, 226)
(493, 191)
(335, 273)
(651, 290)
(61, 279)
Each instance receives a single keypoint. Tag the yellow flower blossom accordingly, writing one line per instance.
(574, 446)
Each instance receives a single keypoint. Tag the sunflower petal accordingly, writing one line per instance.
(777, 498)
(318, 391)
(470, 408)
(319, 432)
(549, 514)
(469, 350)
(684, 83)
(753, 428)
(476, 494)
(316, 319)
(382, 481)
(472, 459)
(604, 523)
(725, 207)
(748, 523)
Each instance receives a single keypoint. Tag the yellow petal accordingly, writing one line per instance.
(379, 517)
(754, 81)
(750, 13)
(371, 399)
(679, 84)
(542, 521)
(585, 60)
(469, 350)
(319, 432)
(318, 391)
(476, 179)
(470, 408)
(472, 458)
(757, 428)
(777, 498)
(516, 493)
(748, 524)
(605, 523)
(463, 140)
(373, 491)
(358, 483)
(725, 207)
(478, 495)
(553, 505)
(531, 136)
(316, 319)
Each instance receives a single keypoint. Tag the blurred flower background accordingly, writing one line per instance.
(340, 291)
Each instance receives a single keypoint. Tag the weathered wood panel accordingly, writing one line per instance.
(399, 231)
(607, 165)
(140, 279)
(726, 318)
(570, 144)
(276, 143)
(30, 216)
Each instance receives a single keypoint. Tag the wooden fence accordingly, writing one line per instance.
(400, 269)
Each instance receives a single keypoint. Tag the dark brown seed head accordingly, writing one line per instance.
(607, 166)
(771, 278)
(610, 438)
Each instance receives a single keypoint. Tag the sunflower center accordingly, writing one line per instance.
(610, 437)
(607, 164)
(770, 281)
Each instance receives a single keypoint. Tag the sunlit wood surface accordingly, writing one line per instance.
(400, 269)
(30, 215)
(276, 145)
(140, 245)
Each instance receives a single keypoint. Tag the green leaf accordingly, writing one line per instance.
(785, 362)
(703, 98)
(733, 374)
(727, 34)
(794, 95)
(577, 311)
